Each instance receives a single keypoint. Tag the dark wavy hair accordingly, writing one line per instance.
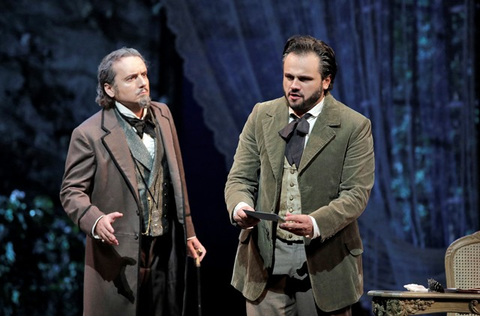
(304, 44)
(106, 74)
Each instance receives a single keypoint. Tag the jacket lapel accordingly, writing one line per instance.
(275, 119)
(322, 133)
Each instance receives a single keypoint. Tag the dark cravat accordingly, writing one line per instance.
(142, 126)
(294, 134)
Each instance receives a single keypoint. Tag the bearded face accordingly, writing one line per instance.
(131, 85)
(303, 85)
(301, 104)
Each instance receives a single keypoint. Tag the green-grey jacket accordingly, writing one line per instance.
(335, 178)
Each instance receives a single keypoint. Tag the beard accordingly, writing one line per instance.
(307, 104)
(144, 101)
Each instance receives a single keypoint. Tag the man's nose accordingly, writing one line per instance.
(295, 84)
(142, 80)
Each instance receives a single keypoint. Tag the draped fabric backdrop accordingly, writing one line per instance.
(407, 65)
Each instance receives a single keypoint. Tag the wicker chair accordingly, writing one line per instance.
(462, 264)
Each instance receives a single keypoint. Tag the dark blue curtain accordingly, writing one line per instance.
(407, 65)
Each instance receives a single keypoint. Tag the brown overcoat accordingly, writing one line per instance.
(335, 177)
(99, 179)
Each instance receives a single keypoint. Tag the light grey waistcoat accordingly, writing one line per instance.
(289, 199)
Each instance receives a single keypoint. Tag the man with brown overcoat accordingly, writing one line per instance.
(124, 186)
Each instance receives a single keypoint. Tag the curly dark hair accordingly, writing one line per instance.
(106, 74)
(304, 44)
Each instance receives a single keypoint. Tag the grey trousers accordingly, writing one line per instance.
(288, 291)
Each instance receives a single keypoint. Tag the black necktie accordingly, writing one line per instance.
(142, 126)
(294, 134)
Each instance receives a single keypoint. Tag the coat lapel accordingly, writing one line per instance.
(322, 133)
(170, 153)
(116, 144)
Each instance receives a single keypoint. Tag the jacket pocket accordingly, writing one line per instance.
(244, 236)
(354, 246)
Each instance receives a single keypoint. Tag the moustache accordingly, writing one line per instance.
(141, 91)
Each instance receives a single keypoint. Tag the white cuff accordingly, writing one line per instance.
(316, 229)
(239, 206)
(95, 225)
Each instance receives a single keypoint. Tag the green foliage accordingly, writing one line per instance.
(41, 258)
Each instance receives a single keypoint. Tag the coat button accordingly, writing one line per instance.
(136, 236)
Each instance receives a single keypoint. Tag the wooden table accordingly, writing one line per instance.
(402, 303)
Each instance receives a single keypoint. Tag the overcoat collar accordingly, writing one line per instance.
(116, 144)
(173, 155)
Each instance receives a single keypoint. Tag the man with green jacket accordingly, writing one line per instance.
(307, 261)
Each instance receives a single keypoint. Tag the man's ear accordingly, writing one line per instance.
(326, 82)
(109, 89)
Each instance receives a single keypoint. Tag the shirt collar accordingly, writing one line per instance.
(126, 111)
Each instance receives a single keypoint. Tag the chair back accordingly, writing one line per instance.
(462, 264)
